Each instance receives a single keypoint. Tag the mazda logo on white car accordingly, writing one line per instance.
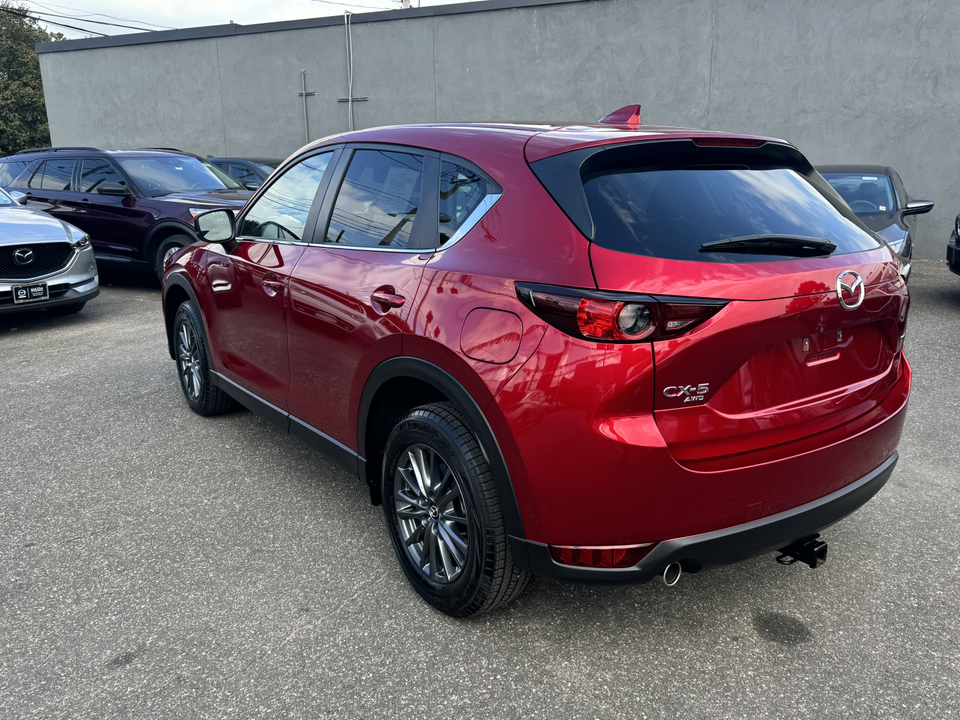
(850, 290)
(23, 256)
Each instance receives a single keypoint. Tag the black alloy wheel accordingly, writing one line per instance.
(193, 364)
(444, 516)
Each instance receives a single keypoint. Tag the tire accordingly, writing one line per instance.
(71, 309)
(448, 532)
(193, 365)
(168, 247)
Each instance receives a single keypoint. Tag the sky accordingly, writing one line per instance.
(169, 14)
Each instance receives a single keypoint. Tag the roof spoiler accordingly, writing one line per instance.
(627, 115)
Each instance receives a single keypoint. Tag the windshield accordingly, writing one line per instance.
(671, 213)
(162, 175)
(865, 194)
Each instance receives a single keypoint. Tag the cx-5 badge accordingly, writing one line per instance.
(852, 291)
(689, 393)
(23, 256)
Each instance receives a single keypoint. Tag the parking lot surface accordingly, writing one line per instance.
(156, 564)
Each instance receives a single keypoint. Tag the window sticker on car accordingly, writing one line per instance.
(883, 208)
(869, 178)
(400, 182)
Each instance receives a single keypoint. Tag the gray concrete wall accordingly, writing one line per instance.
(872, 81)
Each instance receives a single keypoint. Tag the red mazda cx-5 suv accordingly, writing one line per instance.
(592, 353)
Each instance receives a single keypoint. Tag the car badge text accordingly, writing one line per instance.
(689, 393)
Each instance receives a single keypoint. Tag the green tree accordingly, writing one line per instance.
(23, 115)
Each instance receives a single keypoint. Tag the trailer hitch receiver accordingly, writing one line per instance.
(811, 550)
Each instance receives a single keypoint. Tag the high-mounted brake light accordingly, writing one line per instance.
(627, 115)
(727, 142)
(615, 317)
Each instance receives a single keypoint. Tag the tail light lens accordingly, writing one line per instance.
(615, 317)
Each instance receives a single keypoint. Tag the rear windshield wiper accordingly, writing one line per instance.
(772, 245)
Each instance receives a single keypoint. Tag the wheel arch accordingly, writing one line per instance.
(160, 232)
(400, 384)
(176, 291)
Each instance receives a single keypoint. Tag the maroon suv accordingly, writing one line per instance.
(137, 206)
(592, 353)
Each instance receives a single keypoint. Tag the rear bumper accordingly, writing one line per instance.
(953, 254)
(722, 547)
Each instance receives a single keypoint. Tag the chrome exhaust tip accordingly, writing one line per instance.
(671, 574)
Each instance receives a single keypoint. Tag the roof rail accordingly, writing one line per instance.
(162, 148)
(55, 149)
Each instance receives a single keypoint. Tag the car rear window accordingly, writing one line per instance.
(668, 201)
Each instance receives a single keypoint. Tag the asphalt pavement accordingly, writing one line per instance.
(156, 564)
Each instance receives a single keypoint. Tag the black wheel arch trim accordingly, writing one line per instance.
(425, 371)
(179, 281)
(721, 547)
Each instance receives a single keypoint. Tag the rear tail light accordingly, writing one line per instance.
(614, 317)
(609, 556)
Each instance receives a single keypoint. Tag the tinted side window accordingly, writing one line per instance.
(94, 173)
(9, 172)
(378, 200)
(57, 175)
(243, 175)
(281, 212)
(461, 191)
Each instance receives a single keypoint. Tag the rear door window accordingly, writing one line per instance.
(670, 207)
(378, 200)
(55, 175)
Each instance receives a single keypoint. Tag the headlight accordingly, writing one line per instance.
(956, 225)
(197, 211)
(897, 245)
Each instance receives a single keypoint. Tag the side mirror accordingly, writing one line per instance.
(18, 196)
(216, 226)
(113, 188)
(918, 207)
(252, 185)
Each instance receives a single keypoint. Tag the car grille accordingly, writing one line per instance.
(47, 258)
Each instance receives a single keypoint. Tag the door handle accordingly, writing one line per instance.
(386, 300)
(272, 285)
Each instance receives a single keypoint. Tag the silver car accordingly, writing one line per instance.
(44, 262)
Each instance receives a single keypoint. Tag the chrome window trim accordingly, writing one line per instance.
(472, 220)
(255, 238)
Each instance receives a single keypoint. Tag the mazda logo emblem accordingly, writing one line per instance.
(850, 290)
(23, 256)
